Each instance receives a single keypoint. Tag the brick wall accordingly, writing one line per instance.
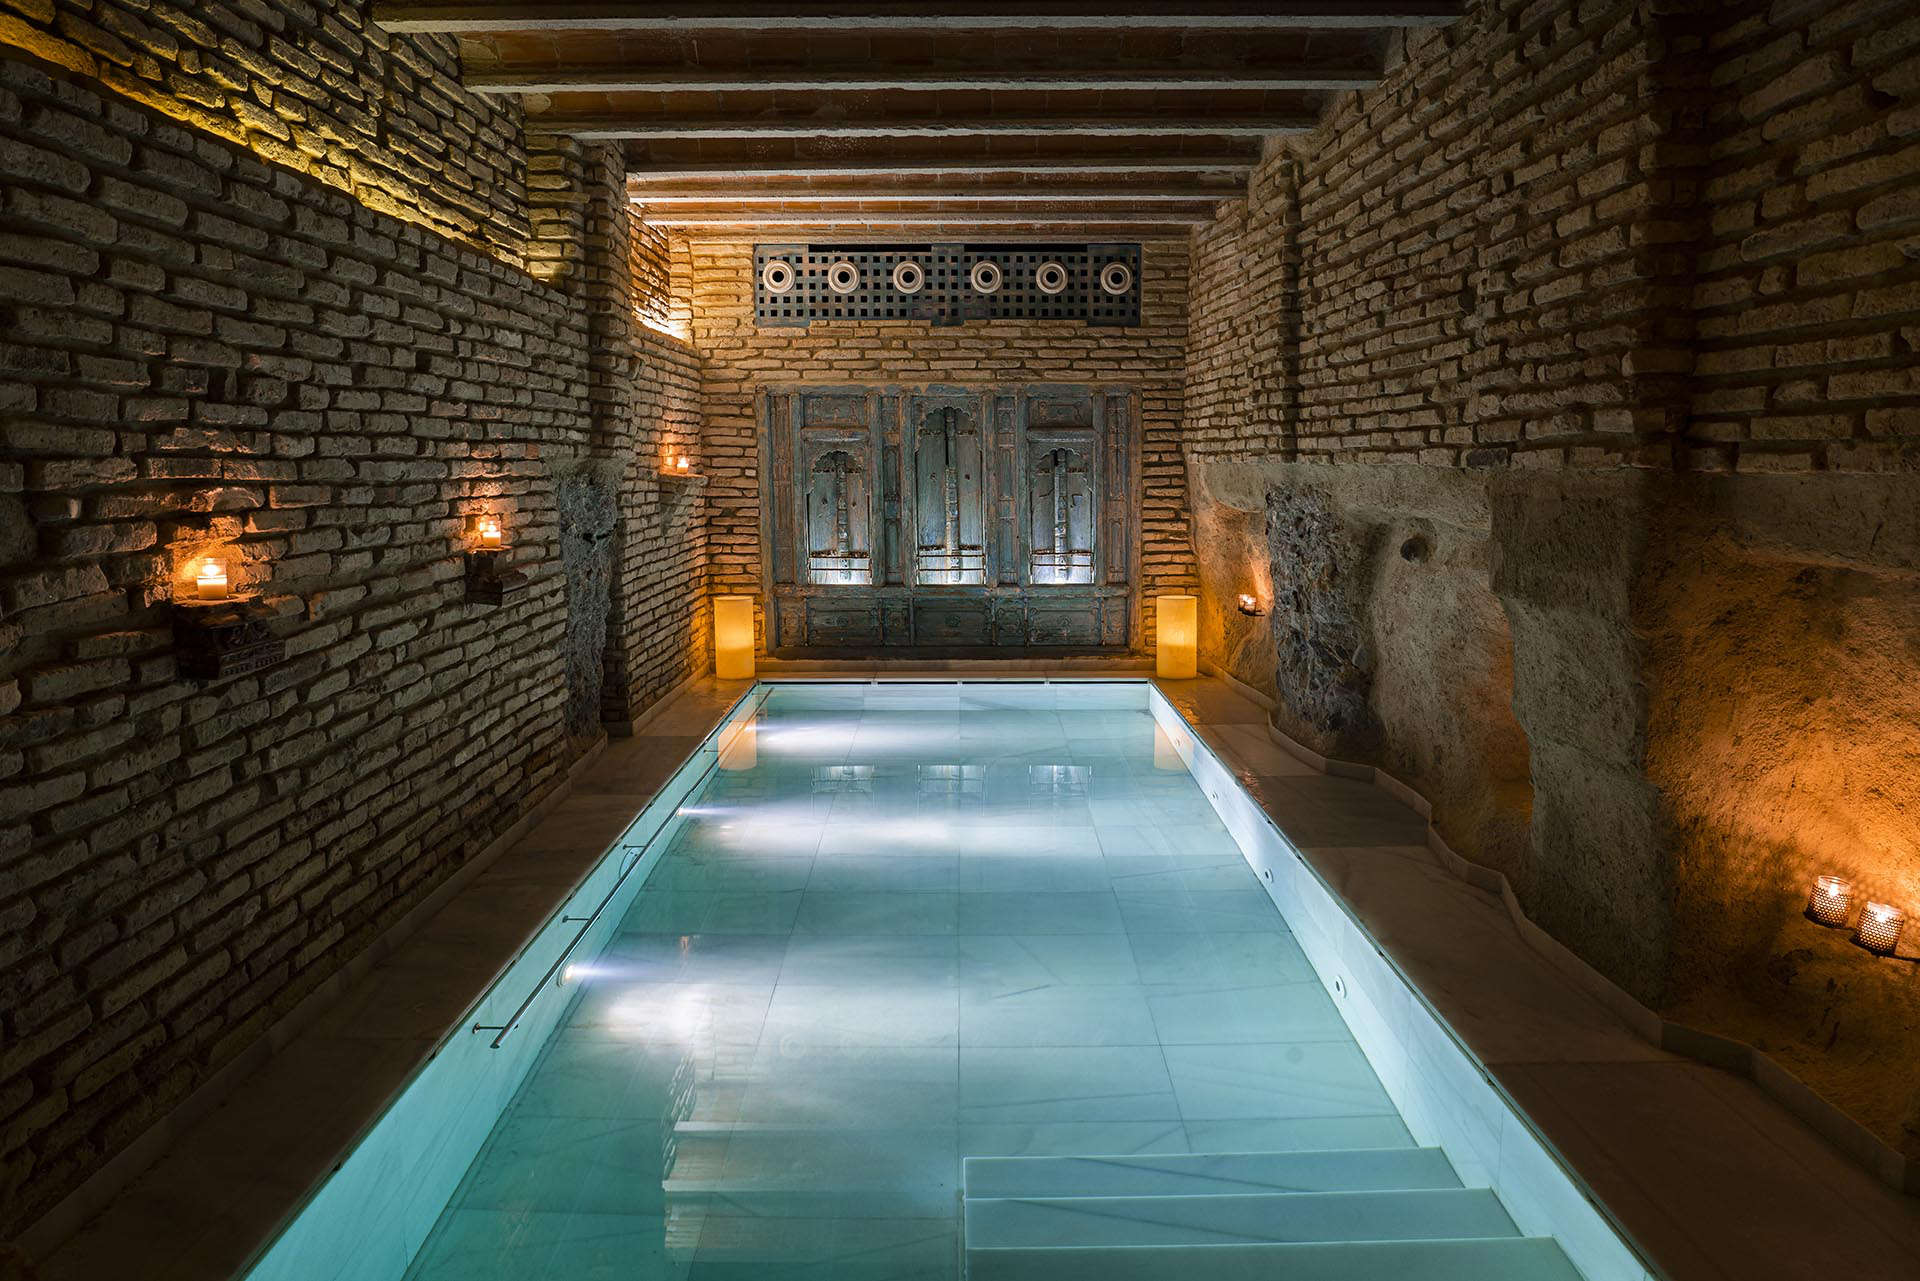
(665, 634)
(1486, 249)
(740, 358)
(1807, 300)
(1613, 234)
(315, 87)
(206, 351)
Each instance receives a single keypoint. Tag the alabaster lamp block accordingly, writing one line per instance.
(1830, 901)
(1176, 649)
(733, 638)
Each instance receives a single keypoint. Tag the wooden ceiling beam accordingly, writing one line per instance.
(1069, 218)
(602, 128)
(615, 80)
(751, 171)
(470, 17)
(1039, 194)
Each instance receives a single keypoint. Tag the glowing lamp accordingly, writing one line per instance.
(1831, 900)
(1175, 656)
(1879, 928)
(211, 582)
(1249, 605)
(680, 463)
(488, 530)
(733, 638)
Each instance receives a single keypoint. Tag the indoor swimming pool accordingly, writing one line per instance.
(917, 981)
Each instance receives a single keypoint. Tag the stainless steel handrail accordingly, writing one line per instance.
(504, 1030)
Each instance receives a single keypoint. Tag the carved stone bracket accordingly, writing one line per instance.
(221, 638)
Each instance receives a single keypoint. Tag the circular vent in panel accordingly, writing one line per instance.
(1050, 278)
(777, 276)
(909, 276)
(985, 277)
(843, 277)
(1116, 278)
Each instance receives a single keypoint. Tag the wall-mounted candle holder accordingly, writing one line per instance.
(678, 469)
(1250, 605)
(217, 634)
(491, 578)
(1878, 930)
(1830, 901)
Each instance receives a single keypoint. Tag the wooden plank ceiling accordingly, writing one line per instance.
(932, 119)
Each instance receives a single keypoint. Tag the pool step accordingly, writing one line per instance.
(1372, 1214)
(1437, 1213)
(1499, 1259)
(1191, 1174)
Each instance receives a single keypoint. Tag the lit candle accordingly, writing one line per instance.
(490, 539)
(212, 580)
(1248, 605)
(1831, 900)
(681, 462)
(1879, 928)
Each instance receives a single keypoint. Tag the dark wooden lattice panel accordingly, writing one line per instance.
(949, 293)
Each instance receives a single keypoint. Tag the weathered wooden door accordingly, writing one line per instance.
(949, 518)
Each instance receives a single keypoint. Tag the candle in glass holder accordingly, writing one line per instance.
(490, 537)
(1831, 900)
(680, 463)
(1879, 928)
(211, 582)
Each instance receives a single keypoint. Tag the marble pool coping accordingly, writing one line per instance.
(1712, 1178)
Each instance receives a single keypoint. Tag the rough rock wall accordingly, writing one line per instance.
(738, 358)
(1782, 684)
(1323, 590)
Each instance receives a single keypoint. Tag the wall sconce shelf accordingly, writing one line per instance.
(215, 639)
(490, 580)
(1249, 606)
(692, 479)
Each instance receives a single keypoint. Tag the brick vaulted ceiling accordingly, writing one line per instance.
(926, 119)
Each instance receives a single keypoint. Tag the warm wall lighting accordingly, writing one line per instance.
(1879, 928)
(210, 583)
(680, 462)
(1250, 606)
(733, 638)
(1175, 652)
(487, 533)
(1831, 900)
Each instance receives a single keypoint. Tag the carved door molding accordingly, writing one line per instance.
(952, 518)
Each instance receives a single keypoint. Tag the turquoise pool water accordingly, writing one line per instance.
(899, 927)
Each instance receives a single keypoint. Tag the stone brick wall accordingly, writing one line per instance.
(1490, 252)
(315, 87)
(666, 633)
(205, 352)
(1807, 299)
(740, 358)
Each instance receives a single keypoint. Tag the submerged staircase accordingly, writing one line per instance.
(1374, 1214)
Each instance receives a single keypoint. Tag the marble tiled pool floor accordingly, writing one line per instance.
(907, 926)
